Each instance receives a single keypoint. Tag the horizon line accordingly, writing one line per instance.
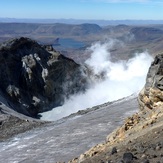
(84, 19)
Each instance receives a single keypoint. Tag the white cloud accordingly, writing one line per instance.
(123, 78)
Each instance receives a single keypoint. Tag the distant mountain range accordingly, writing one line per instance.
(81, 21)
(137, 38)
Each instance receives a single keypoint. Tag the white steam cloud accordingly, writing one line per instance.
(123, 78)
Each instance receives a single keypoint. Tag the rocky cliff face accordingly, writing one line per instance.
(151, 97)
(35, 78)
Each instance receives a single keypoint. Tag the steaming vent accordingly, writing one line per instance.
(118, 79)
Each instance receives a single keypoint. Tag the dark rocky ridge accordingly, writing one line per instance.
(35, 78)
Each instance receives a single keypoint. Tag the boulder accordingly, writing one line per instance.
(36, 78)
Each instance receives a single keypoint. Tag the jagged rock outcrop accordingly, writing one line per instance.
(35, 78)
(151, 96)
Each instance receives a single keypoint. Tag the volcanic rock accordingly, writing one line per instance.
(151, 96)
(128, 157)
(36, 78)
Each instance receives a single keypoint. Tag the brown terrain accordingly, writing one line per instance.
(132, 38)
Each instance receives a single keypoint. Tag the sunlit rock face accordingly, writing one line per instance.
(151, 97)
(35, 78)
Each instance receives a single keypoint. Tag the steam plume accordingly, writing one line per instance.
(122, 79)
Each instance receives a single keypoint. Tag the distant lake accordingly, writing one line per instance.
(69, 43)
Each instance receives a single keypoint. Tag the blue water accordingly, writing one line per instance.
(69, 43)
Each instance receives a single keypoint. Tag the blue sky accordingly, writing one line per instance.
(83, 9)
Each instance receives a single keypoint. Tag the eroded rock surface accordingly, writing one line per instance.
(35, 78)
(151, 97)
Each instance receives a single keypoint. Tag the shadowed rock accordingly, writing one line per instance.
(35, 78)
(128, 157)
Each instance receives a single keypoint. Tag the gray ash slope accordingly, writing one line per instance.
(64, 139)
